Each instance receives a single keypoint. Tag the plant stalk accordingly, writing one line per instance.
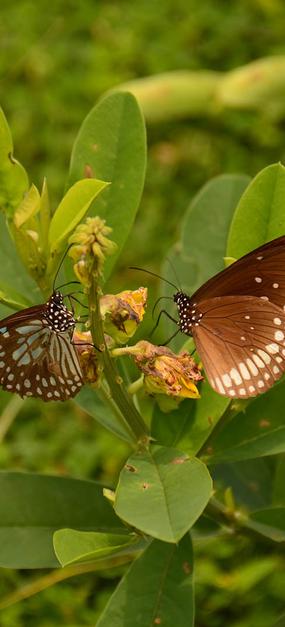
(118, 393)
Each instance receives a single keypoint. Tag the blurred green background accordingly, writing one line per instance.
(56, 59)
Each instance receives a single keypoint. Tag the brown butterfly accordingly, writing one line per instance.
(237, 321)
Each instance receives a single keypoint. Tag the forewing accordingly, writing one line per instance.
(240, 341)
(259, 273)
(35, 361)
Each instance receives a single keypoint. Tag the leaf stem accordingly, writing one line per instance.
(60, 574)
(234, 408)
(136, 424)
(135, 386)
(104, 392)
(9, 414)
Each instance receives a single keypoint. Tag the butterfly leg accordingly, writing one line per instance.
(163, 311)
(71, 298)
(87, 344)
(156, 303)
(171, 338)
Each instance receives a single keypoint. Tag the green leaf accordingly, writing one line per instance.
(157, 589)
(162, 492)
(188, 426)
(249, 480)
(90, 401)
(257, 431)
(207, 413)
(45, 217)
(202, 246)
(260, 215)
(72, 209)
(15, 284)
(206, 225)
(28, 208)
(111, 145)
(12, 298)
(278, 488)
(269, 522)
(33, 507)
(73, 547)
(13, 177)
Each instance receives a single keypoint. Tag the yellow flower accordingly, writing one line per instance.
(122, 313)
(165, 372)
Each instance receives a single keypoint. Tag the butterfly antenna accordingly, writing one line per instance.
(59, 267)
(174, 272)
(154, 274)
(59, 287)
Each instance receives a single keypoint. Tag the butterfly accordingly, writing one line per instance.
(237, 321)
(37, 356)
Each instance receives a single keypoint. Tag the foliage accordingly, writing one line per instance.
(164, 489)
(53, 69)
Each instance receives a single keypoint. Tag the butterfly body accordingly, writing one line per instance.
(189, 316)
(37, 357)
(237, 321)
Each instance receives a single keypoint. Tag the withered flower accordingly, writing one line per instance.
(122, 313)
(164, 372)
(87, 357)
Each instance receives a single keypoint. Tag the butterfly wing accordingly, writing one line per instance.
(240, 341)
(260, 273)
(36, 361)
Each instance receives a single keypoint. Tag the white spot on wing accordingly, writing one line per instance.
(235, 376)
(252, 367)
(266, 358)
(226, 380)
(258, 361)
(272, 348)
(244, 371)
(218, 384)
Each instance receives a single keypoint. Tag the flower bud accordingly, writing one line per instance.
(122, 313)
(91, 246)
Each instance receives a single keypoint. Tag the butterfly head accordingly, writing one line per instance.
(57, 316)
(189, 316)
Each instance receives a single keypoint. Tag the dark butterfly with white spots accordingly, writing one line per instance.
(37, 356)
(237, 321)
